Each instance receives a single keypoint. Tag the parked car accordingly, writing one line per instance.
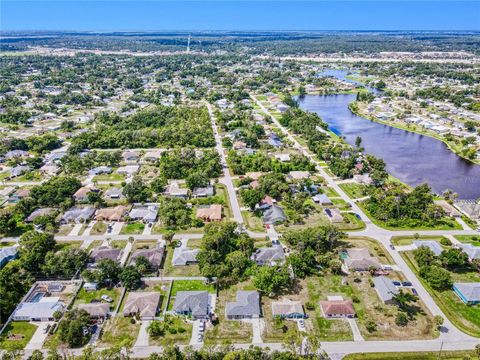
(392, 247)
(406, 283)
(397, 283)
(301, 324)
(414, 291)
(106, 298)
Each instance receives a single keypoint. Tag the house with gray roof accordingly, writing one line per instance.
(19, 170)
(40, 212)
(273, 215)
(16, 154)
(114, 193)
(105, 252)
(432, 245)
(78, 214)
(202, 192)
(192, 303)
(246, 306)
(144, 212)
(322, 199)
(184, 256)
(469, 293)
(154, 256)
(385, 289)
(472, 251)
(273, 255)
(100, 170)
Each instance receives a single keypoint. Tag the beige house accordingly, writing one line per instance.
(143, 304)
(210, 213)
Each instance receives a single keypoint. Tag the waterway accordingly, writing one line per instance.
(412, 158)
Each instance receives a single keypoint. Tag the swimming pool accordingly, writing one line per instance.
(37, 296)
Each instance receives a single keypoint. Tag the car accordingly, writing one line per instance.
(201, 326)
(478, 229)
(275, 242)
(397, 283)
(406, 283)
(150, 224)
(414, 291)
(199, 337)
(106, 298)
(392, 247)
(301, 324)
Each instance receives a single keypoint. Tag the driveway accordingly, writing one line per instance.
(117, 226)
(39, 336)
(76, 229)
(257, 327)
(142, 338)
(357, 336)
(195, 331)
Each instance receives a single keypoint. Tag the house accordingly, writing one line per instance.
(96, 310)
(192, 303)
(469, 293)
(154, 256)
(210, 213)
(333, 215)
(114, 193)
(111, 214)
(274, 215)
(184, 256)
(266, 203)
(322, 199)
(100, 170)
(128, 170)
(6, 191)
(7, 253)
(43, 310)
(19, 170)
(254, 175)
(105, 252)
(363, 179)
(431, 244)
(175, 190)
(142, 304)
(130, 156)
(50, 169)
(19, 195)
(144, 212)
(12, 154)
(90, 286)
(287, 309)
(298, 175)
(81, 194)
(203, 192)
(78, 214)
(40, 212)
(359, 259)
(336, 308)
(269, 255)
(471, 208)
(472, 251)
(153, 155)
(449, 209)
(283, 157)
(385, 289)
(246, 306)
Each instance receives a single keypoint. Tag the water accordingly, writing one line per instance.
(410, 157)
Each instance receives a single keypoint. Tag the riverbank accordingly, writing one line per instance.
(406, 128)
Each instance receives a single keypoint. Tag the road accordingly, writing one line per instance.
(227, 177)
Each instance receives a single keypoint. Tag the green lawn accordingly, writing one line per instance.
(252, 222)
(445, 355)
(469, 239)
(179, 332)
(99, 228)
(351, 222)
(466, 318)
(170, 270)
(353, 190)
(191, 285)
(109, 177)
(132, 228)
(119, 331)
(25, 329)
(86, 297)
(408, 240)
(5, 244)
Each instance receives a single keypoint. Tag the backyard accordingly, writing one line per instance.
(17, 335)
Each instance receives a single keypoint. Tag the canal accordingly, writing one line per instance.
(410, 157)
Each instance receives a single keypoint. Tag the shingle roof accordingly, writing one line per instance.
(143, 303)
(471, 291)
(144, 212)
(473, 252)
(247, 304)
(77, 214)
(268, 255)
(385, 288)
(96, 309)
(341, 307)
(273, 215)
(183, 256)
(286, 307)
(194, 302)
(154, 256)
(432, 245)
(105, 252)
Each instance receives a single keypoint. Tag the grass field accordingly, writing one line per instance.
(191, 285)
(469, 239)
(99, 228)
(119, 331)
(86, 297)
(179, 332)
(408, 240)
(252, 222)
(24, 329)
(353, 190)
(132, 228)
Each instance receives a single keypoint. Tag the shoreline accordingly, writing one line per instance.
(475, 162)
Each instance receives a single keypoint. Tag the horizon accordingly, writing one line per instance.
(301, 16)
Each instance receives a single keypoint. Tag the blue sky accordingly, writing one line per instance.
(239, 15)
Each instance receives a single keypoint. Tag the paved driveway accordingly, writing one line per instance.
(39, 336)
(142, 338)
(195, 331)
(257, 327)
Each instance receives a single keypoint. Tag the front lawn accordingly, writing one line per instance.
(353, 190)
(469, 239)
(99, 228)
(109, 177)
(178, 332)
(132, 228)
(252, 222)
(19, 333)
(119, 331)
(408, 240)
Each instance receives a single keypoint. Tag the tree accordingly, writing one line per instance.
(136, 191)
(251, 197)
(33, 249)
(14, 284)
(158, 184)
(156, 328)
(196, 180)
(271, 280)
(454, 259)
(64, 263)
(358, 142)
(36, 355)
(401, 319)
(303, 263)
(292, 341)
(439, 320)
(142, 264)
(107, 271)
(437, 277)
(131, 277)
(71, 328)
(424, 256)
(8, 224)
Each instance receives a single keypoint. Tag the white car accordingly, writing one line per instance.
(106, 298)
